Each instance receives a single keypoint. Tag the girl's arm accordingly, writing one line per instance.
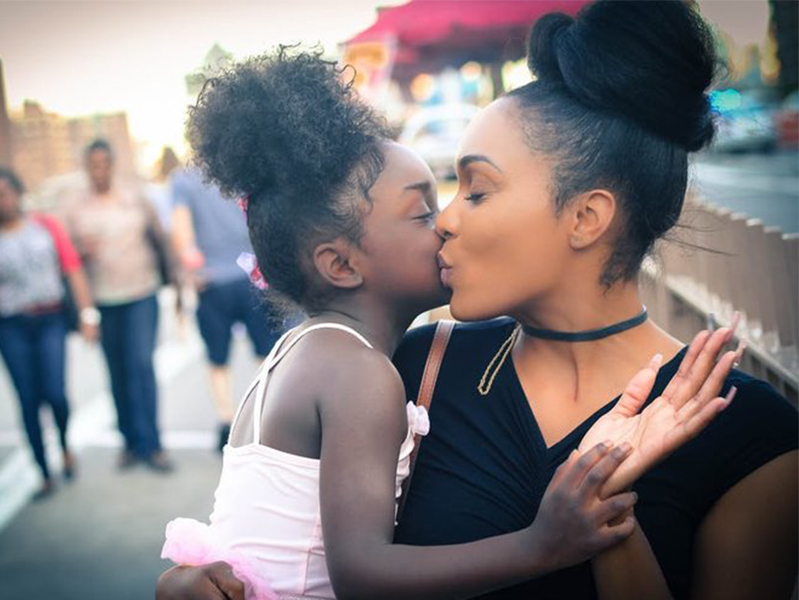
(363, 425)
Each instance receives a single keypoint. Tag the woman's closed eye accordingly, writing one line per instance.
(474, 197)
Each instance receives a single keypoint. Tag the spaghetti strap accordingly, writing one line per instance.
(262, 369)
(275, 356)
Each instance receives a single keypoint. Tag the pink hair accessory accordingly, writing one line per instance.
(244, 205)
(249, 264)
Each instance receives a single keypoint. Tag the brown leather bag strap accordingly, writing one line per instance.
(426, 389)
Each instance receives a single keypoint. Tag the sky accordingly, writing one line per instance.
(80, 58)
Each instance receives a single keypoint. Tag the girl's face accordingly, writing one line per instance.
(504, 245)
(400, 244)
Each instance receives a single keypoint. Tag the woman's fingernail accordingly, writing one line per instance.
(730, 395)
(736, 319)
(656, 361)
(739, 354)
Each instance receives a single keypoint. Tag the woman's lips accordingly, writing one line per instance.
(446, 277)
(445, 271)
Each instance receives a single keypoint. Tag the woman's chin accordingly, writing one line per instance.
(469, 311)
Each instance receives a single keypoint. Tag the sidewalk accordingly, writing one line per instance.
(100, 537)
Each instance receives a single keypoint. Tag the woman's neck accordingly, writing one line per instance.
(591, 308)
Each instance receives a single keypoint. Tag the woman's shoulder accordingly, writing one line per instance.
(757, 427)
(469, 343)
(419, 339)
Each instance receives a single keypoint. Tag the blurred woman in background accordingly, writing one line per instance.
(37, 264)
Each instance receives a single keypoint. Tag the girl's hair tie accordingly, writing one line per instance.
(249, 264)
(244, 205)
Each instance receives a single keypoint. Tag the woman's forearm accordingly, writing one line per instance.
(80, 289)
(630, 571)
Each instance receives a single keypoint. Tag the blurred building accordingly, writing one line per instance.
(5, 124)
(45, 144)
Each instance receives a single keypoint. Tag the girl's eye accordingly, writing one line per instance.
(425, 217)
(474, 197)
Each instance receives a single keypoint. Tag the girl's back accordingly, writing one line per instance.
(267, 505)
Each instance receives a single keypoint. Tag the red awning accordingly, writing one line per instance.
(458, 24)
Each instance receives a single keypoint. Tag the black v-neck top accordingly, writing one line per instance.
(483, 468)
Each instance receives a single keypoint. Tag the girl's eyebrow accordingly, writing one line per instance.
(422, 186)
(465, 161)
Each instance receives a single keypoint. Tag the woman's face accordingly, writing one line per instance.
(9, 202)
(400, 244)
(100, 168)
(504, 245)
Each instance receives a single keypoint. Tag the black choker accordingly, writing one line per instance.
(585, 336)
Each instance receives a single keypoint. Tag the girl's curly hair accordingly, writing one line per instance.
(288, 131)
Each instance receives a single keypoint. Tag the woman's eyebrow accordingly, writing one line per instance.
(465, 161)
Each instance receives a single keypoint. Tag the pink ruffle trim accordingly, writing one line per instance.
(189, 542)
(418, 420)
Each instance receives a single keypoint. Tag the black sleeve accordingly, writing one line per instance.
(411, 356)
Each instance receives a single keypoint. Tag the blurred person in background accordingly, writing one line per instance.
(37, 264)
(127, 258)
(209, 233)
(157, 190)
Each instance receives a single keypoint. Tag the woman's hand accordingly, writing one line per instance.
(687, 405)
(573, 522)
(214, 581)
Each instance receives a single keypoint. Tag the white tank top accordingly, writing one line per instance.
(267, 501)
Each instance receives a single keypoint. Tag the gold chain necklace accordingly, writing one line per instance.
(487, 380)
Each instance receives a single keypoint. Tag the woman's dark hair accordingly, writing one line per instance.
(99, 145)
(13, 180)
(286, 131)
(619, 101)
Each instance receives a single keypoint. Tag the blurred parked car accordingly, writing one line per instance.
(745, 122)
(786, 121)
(435, 134)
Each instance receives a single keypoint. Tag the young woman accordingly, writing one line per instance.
(565, 185)
(341, 220)
(36, 260)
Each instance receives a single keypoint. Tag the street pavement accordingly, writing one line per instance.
(762, 186)
(100, 536)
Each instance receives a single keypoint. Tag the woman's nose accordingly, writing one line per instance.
(446, 222)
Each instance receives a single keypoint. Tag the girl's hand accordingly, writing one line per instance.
(687, 405)
(208, 582)
(573, 522)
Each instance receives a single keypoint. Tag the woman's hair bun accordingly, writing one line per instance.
(650, 61)
(542, 54)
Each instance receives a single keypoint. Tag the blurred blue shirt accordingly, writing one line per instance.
(219, 227)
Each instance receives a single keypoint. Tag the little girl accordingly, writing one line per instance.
(341, 221)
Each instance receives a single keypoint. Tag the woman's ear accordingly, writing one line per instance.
(333, 262)
(591, 214)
